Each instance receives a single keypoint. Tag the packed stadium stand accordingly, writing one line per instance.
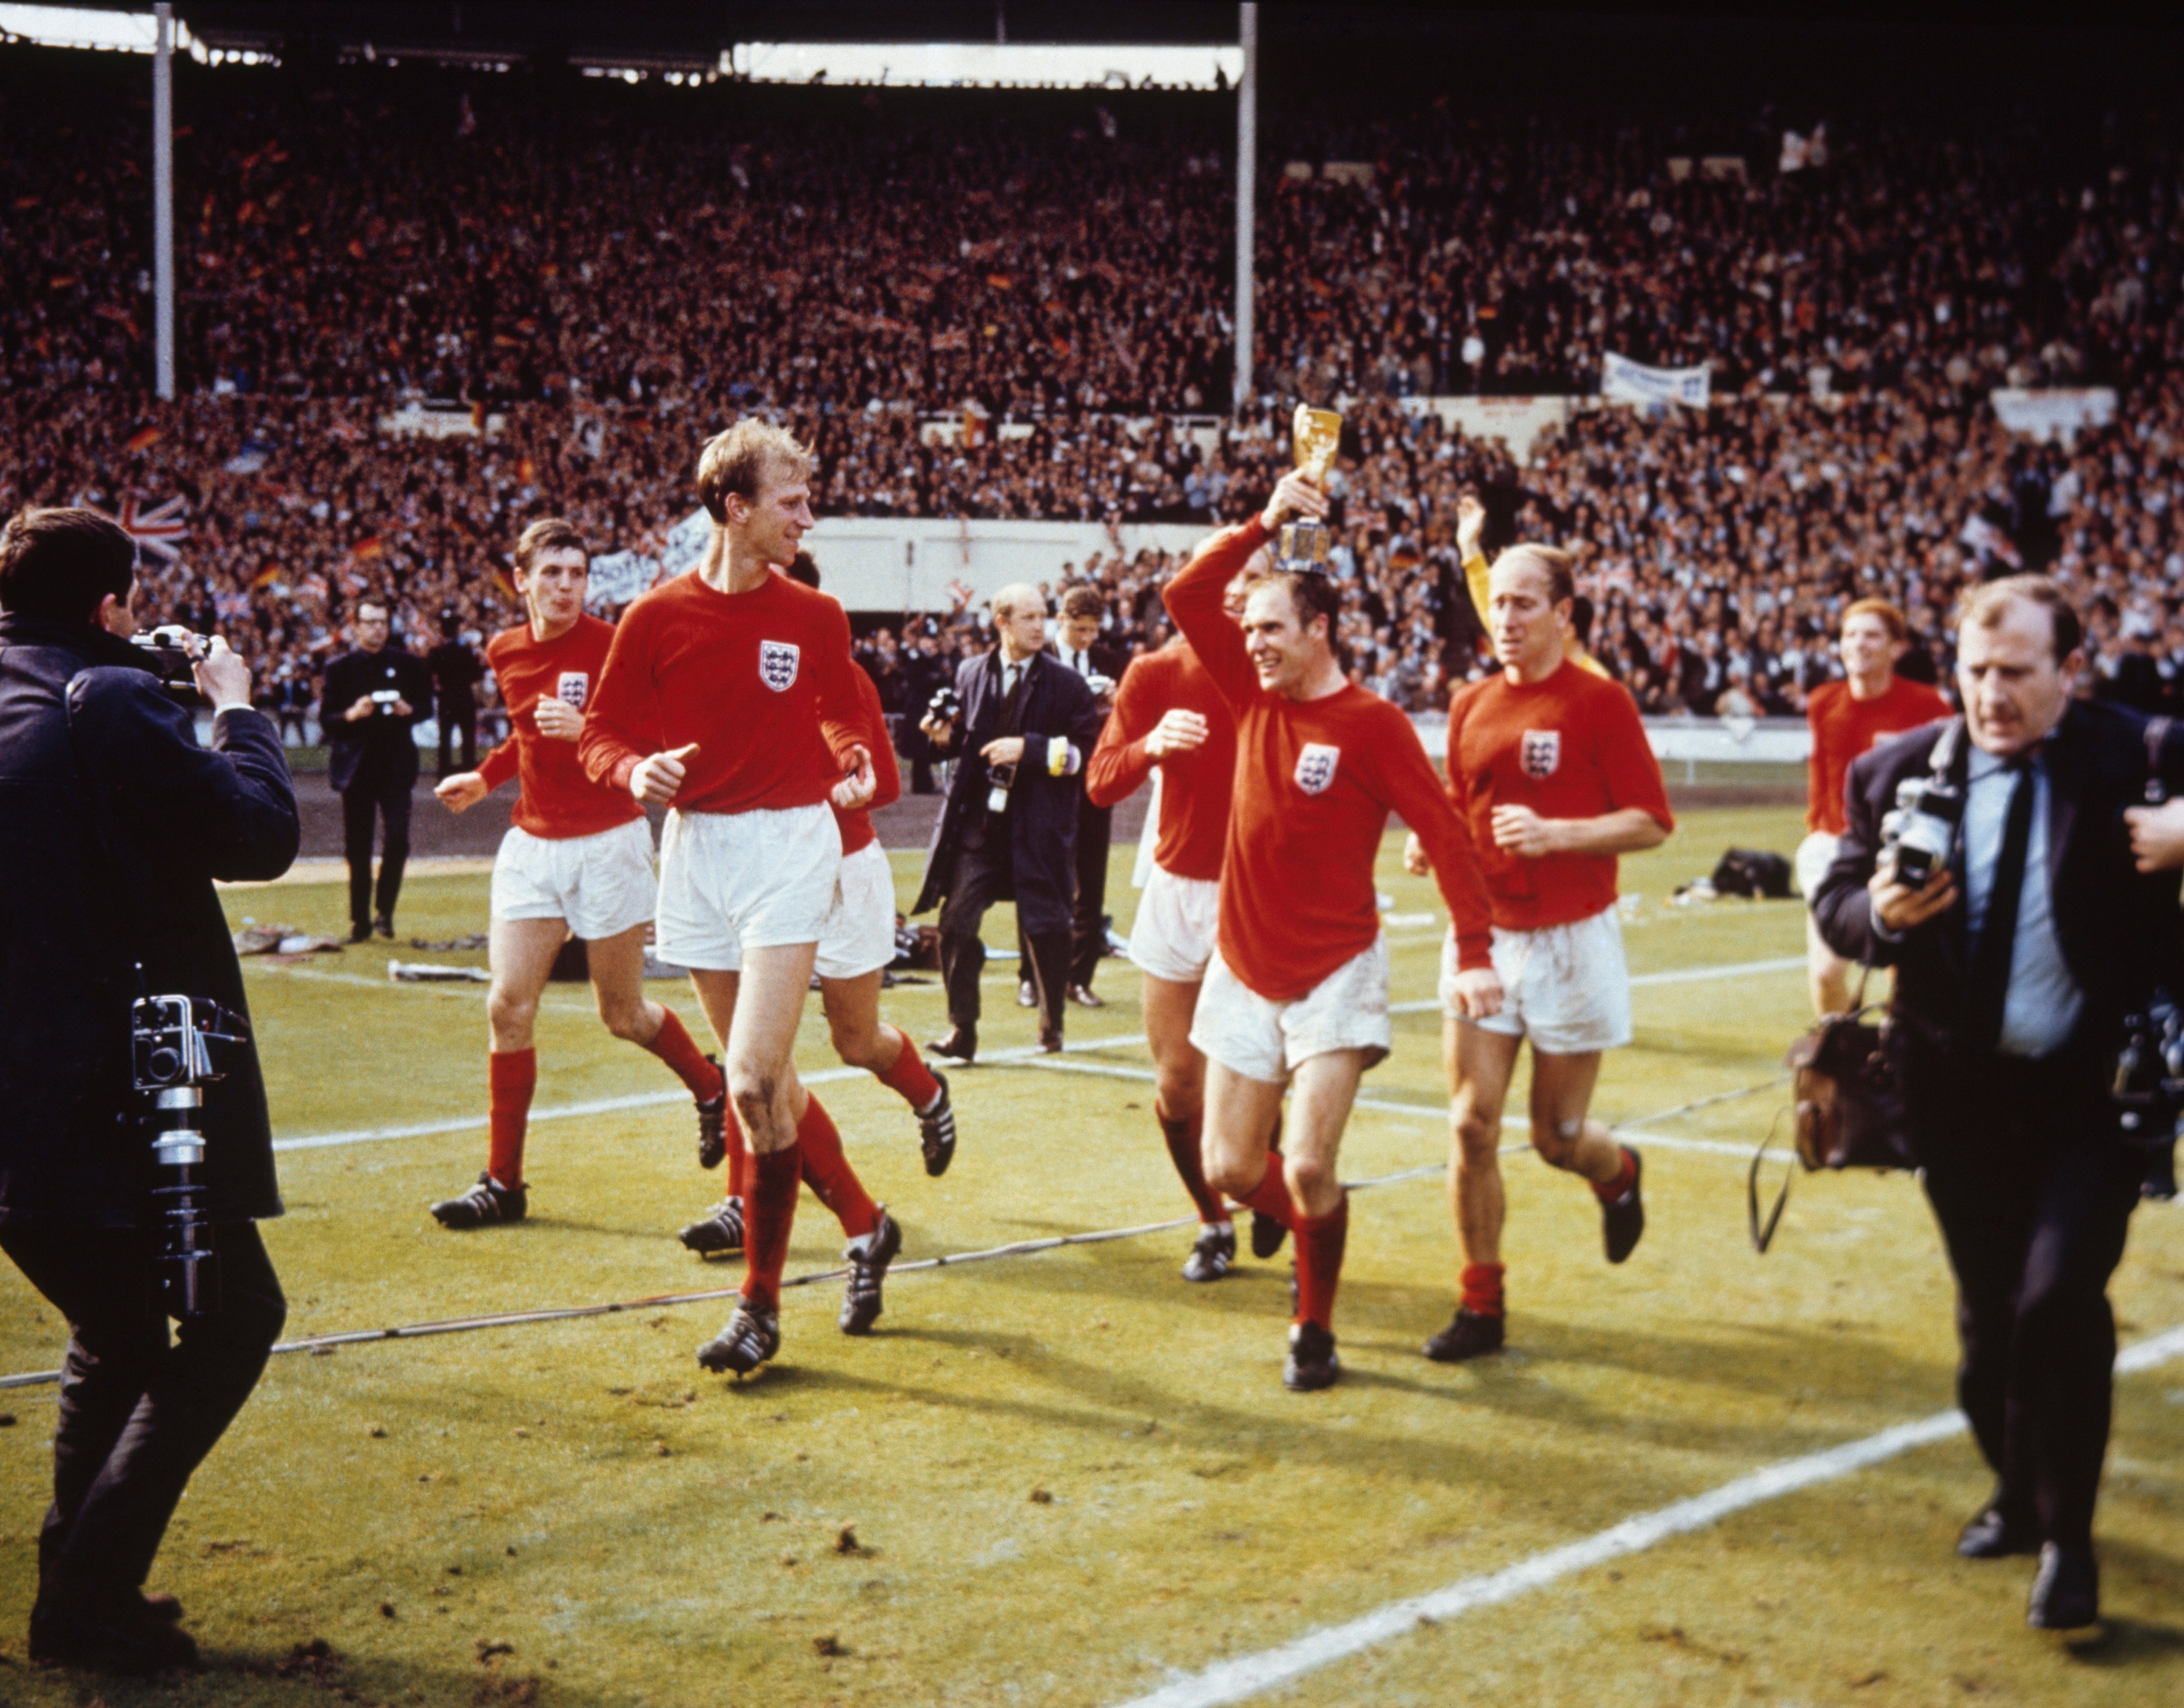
(601, 275)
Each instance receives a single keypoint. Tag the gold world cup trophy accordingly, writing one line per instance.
(1315, 435)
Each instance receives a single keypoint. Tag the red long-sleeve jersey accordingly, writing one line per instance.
(1194, 786)
(556, 799)
(855, 823)
(762, 681)
(1569, 747)
(1315, 782)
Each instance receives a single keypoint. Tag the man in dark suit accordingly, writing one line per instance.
(2015, 966)
(1079, 646)
(113, 824)
(456, 671)
(375, 696)
(1008, 828)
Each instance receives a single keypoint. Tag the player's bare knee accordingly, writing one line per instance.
(1556, 1142)
(755, 1097)
(1226, 1171)
(508, 1011)
(627, 1021)
(1310, 1177)
(1478, 1134)
(1181, 1095)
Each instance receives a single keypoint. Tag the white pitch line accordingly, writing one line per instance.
(608, 1106)
(1672, 975)
(1252, 1674)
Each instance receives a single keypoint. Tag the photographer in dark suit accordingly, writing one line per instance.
(2015, 965)
(1079, 646)
(113, 824)
(374, 697)
(456, 671)
(1022, 733)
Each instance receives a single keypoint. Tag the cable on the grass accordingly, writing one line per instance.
(319, 1344)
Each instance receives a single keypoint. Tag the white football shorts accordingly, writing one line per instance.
(730, 882)
(859, 936)
(601, 885)
(1565, 987)
(1815, 854)
(1177, 923)
(1264, 1040)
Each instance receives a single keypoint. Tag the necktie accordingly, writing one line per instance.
(1013, 676)
(1987, 984)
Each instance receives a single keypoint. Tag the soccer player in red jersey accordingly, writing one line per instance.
(1169, 715)
(730, 695)
(1550, 766)
(1848, 717)
(1296, 994)
(855, 945)
(578, 861)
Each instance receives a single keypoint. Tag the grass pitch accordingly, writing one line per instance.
(1069, 1477)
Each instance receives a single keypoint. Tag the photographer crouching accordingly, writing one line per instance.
(122, 1022)
(1989, 860)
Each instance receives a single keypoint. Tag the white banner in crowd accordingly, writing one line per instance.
(619, 577)
(2053, 412)
(1623, 381)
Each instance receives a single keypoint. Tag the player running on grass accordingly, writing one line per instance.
(1551, 767)
(1296, 994)
(855, 945)
(712, 703)
(578, 861)
(1169, 714)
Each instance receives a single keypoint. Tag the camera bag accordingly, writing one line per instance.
(1846, 1105)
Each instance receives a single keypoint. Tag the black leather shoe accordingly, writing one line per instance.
(1027, 996)
(359, 933)
(117, 1634)
(2066, 1592)
(1312, 1364)
(1050, 1040)
(1268, 1234)
(1473, 1335)
(1086, 997)
(383, 923)
(1622, 1222)
(1991, 1535)
(959, 1049)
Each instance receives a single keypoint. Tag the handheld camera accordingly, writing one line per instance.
(176, 1049)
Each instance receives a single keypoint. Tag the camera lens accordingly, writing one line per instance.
(163, 1065)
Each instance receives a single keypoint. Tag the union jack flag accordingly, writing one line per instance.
(158, 529)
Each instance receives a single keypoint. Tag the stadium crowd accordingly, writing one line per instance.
(1049, 284)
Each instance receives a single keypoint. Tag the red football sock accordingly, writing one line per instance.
(909, 1079)
(1271, 1197)
(827, 1172)
(1319, 1242)
(769, 1213)
(1625, 1178)
(1482, 1288)
(1182, 1150)
(737, 1166)
(511, 1076)
(673, 1044)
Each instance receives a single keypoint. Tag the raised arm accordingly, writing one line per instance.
(1194, 600)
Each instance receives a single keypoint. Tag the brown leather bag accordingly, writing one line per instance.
(1846, 1105)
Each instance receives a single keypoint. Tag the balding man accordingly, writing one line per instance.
(1022, 731)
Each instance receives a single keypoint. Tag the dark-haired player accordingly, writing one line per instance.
(1549, 764)
(1169, 715)
(1296, 995)
(578, 861)
(855, 945)
(730, 695)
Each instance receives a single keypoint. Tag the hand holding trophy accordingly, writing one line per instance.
(1301, 545)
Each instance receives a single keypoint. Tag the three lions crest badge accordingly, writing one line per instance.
(574, 689)
(1315, 766)
(1541, 752)
(777, 664)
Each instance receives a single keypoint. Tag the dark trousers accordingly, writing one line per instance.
(361, 801)
(138, 1414)
(979, 877)
(462, 722)
(2034, 1194)
(1087, 920)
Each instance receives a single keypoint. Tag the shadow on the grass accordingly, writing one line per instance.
(313, 1672)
